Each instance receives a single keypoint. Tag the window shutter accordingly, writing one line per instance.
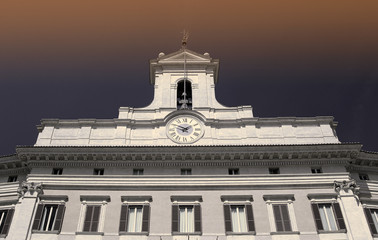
(286, 218)
(146, 218)
(123, 220)
(227, 217)
(175, 223)
(8, 221)
(318, 220)
(197, 218)
(88, 218)
(370, 221)
(339, 216)
(277, 218)
(251, 221)
(96, 218)
(59, 217)
(38, 216)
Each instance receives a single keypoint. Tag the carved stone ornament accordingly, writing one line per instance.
(30, 187)
(346, 186)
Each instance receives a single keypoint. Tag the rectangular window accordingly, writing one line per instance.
(6, 216)
(328, 217)
(372, 218)
(57, 171)
(92, 218)
(186, 219)
(137, 171)
(239, 218)
(274, 171)
(135, 218)
(12, 179)
(316, 170)
(363, 176)
(48, 217)
(281, 217)
(233, 171)
(98, 171)
(186, 171)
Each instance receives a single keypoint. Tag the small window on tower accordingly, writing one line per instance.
(184, 95)
(98, 171)
(186, 171)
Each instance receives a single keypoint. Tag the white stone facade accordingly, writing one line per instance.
(246, 178)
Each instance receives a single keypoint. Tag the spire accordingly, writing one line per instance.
(184, 101)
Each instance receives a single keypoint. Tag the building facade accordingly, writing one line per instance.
(188, 168)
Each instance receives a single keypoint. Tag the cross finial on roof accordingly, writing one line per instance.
(185, 36)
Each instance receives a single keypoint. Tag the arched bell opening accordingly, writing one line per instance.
(182, 101)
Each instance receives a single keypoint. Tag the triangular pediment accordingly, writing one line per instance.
(186, 54)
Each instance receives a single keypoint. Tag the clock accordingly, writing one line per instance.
(185, 129)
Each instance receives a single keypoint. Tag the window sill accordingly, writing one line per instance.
(185, 233)
(3, 235)
(45, 232)
(241, 233)
(337, 231)
(89, 233)
(134, 233)
(284, 233)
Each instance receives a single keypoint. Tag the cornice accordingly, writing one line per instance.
(189, 155)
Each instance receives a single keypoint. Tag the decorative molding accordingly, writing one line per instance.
(188, 198)
(136, 198)
(30, 187)
(279, 197)
(94, 198)
(346, 186)
(245, 198)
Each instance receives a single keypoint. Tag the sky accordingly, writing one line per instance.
(85, 59)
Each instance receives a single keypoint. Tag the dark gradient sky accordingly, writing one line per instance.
(84, 59)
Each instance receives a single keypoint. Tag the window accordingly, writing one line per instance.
(372, 219)
(363, 176)
(48, 217)
(6, 216)
(316, 170)
(233, 171)
(12, 179)
(281, 217)
(92, 214)
(137, 171)
(180, 92)
(92, 218)
(186, 219)
(274, 171)
(134, 218)
(328, 217)
(238, 218)
(186, 171)
(281, 213)
(98, 171)
(57, 171)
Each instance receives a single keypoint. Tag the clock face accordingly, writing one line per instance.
(185, 129)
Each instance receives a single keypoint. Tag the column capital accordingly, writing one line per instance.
(30, 189)
(345, 187)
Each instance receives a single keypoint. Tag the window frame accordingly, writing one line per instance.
(98, 171)
(89, 200)
(12, 178)
(57, 171)
(274, 170)
(195, 202)
(249, 217)
(363, 176)
(8, 219)
(135, 201)
(281, 199)
(137, 171)
(38, 218)
(233, 171)
(185, 171)
(316, 170)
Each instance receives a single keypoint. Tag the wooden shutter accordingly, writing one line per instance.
(175, 218)
(282, 218)
(8, 221)
(59, 217)
(286, 218)
(278, 218)
(197, 218)
(38, 216)
(123, 220)
(339, 216)
(250, 219)
(146, 218)
(227, 217)
(88, 218)
(318, 221)
(370, 220)
(95, 218)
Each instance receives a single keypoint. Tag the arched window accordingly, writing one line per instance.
(180, 94)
